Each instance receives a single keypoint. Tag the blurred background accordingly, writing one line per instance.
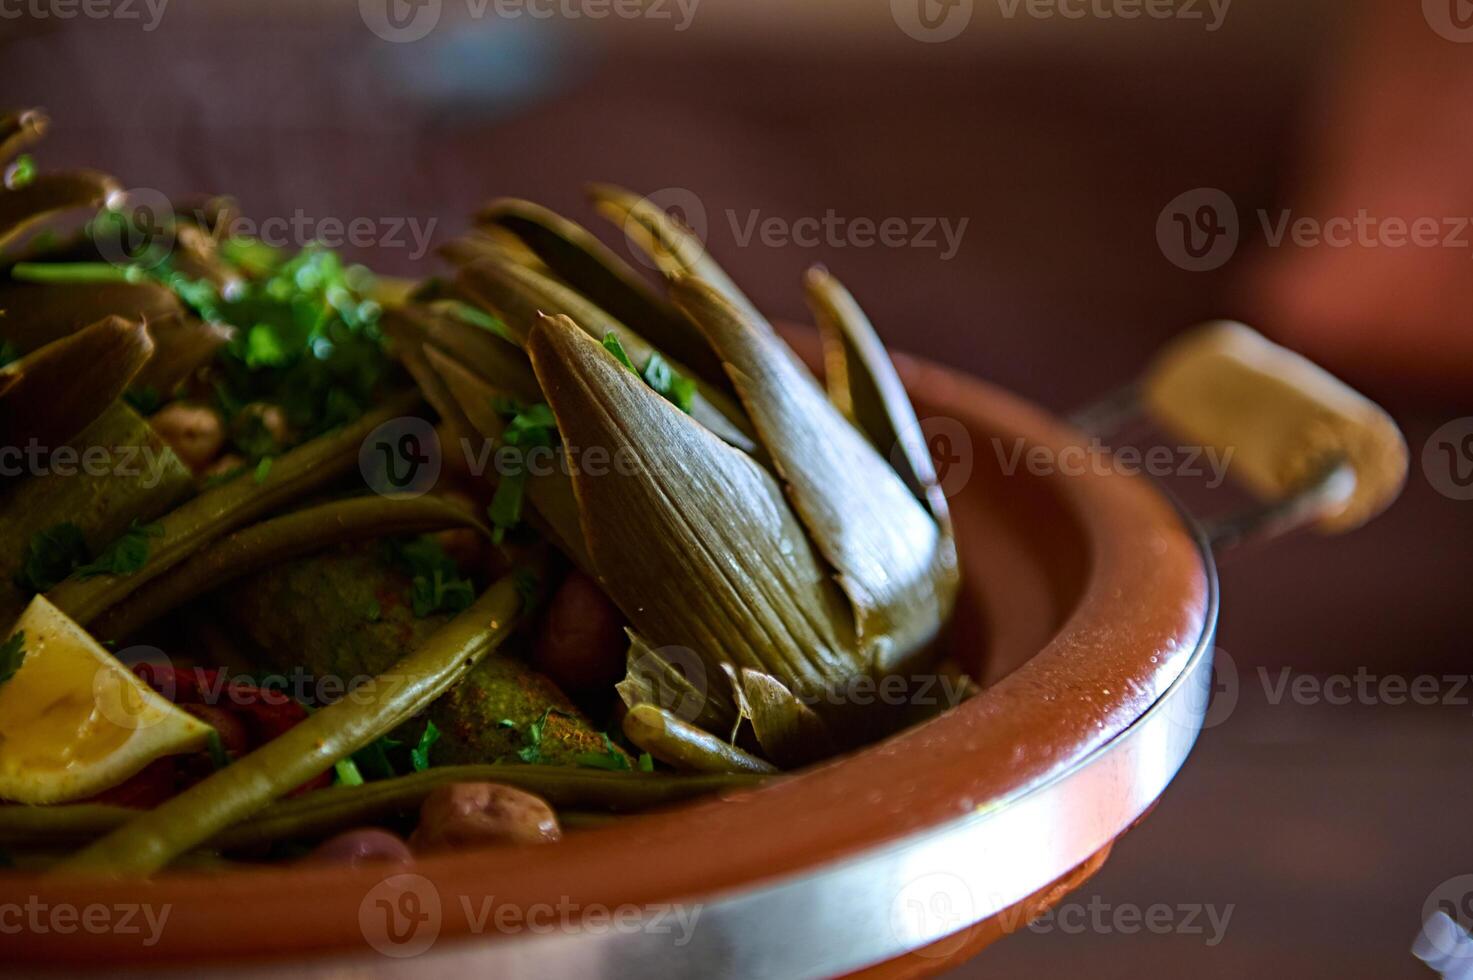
(1074, 182)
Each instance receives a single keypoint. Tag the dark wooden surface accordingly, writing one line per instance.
(1325, 827)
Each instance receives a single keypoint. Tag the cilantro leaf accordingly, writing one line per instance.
(124, 556)
(12, 655)
(51, 554)
(612, 345)
(674, 387)
(531, 750)
(347, 773)
(419, 756)
(528, 427)
(435, 582)
(374, 760)
(610, 758)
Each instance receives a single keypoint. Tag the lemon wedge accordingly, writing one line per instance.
(73, 720)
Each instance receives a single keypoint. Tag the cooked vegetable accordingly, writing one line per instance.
(153, 839)
(365, 846)
(221, 509)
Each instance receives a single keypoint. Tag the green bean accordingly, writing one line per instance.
(271, 542)
(218, 511)
(589, 792)
(681, 744)
(153, 839)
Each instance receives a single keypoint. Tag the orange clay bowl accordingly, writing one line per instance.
(1087, 613)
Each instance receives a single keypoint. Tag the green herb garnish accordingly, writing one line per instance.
(347, 773)
(531, 750)
(12, 655)
(610, 758)
(419, 756)
(51, 554)
(612, 345)
(436, 584)
(9, 354)
(124, 556)
(145, 399)
(528, 427)
(674, 387)
(263, 469)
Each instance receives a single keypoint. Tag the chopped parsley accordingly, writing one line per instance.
(436, 584)
(51, 555)
(263, 469)
(528, 427)
(124, 556)
(374, 758)
(419, 756)
(668, 383)
(347, 773)
(612, 345)
(646, 762)
(12, 655)
(610, 758)
(674, 387)
(531, 750)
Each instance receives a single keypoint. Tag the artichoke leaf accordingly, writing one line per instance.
(890, 554)
(691, 538)
(674, 249)
(53, 393)
(34, 314)
(681, 687)
(864, 385)
(789, 731)
(19, 130)
(50, 194)
(578, 258)
(521, 296)
(182, 345)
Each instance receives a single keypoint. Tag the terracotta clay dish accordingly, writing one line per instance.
(1035, 719)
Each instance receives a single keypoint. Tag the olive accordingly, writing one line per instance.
(365, 845)
(581, 645)
(479, 814)
(194, 432)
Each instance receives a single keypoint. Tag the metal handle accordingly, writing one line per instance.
(1309, 447)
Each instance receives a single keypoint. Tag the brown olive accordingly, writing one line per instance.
(194, 432)
(365, 845)
(481, 814)
(581, 645)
